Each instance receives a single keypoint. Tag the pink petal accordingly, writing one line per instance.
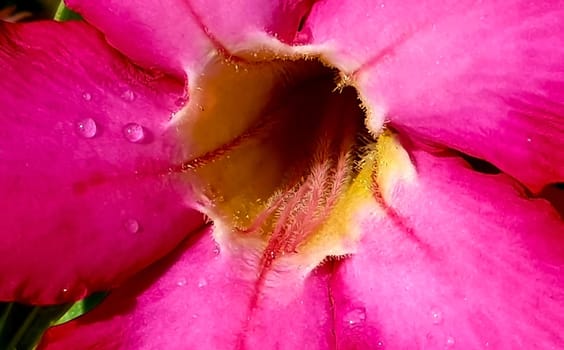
(486, 78)
(469, 262)
(83, 206)
(201, 299)
(179, 35)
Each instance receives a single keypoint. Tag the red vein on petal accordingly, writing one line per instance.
(305, 210)
(258, 128)
(387, 51)
(332, 308)
(395, 217)
(221, 49)
(391, 49)
(98, 179)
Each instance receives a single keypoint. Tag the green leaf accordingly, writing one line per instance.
(63, 13)
(81, 307)
(21, 326)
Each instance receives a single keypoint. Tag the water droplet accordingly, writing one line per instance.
(202, 283)
(133, 132)
(436, 316)
(529, 139)
(86, 96)
(180, 101)
(380, 344)
(450, 341)
(216, 250)
(272, 254)
(65, 290)
(181, 282)
(355, 316)
(132, 225)
(86, 128)
(128, 95)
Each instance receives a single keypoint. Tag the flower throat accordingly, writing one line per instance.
(276, 152)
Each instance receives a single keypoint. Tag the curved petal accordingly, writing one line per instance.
(199, 299)
(83, 205)
(178, 35)
(486, 78)
(465, 261)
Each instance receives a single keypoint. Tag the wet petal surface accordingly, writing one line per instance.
(458, 279)
(203, 298)
(85, 196)
(461, 260)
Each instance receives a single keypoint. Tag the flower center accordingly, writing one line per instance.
(279, 157)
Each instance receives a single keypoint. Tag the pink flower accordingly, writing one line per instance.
(109, 155)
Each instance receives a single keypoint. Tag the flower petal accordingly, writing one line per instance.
(179, 35)
(200, 299)
(462, 260)
(83, 205)
(485, 78)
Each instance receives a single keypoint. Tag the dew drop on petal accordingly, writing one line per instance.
(436, 316)
(133, 132)
(180, 102)
(380, 344)
(86, 96)
(128, 95)
(272, 254)
(202, 283)
(355, 317)
(450, 341)
(181, 282)
(86, 128)
(132, 225)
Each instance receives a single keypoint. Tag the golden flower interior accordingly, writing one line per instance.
(279, 156)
